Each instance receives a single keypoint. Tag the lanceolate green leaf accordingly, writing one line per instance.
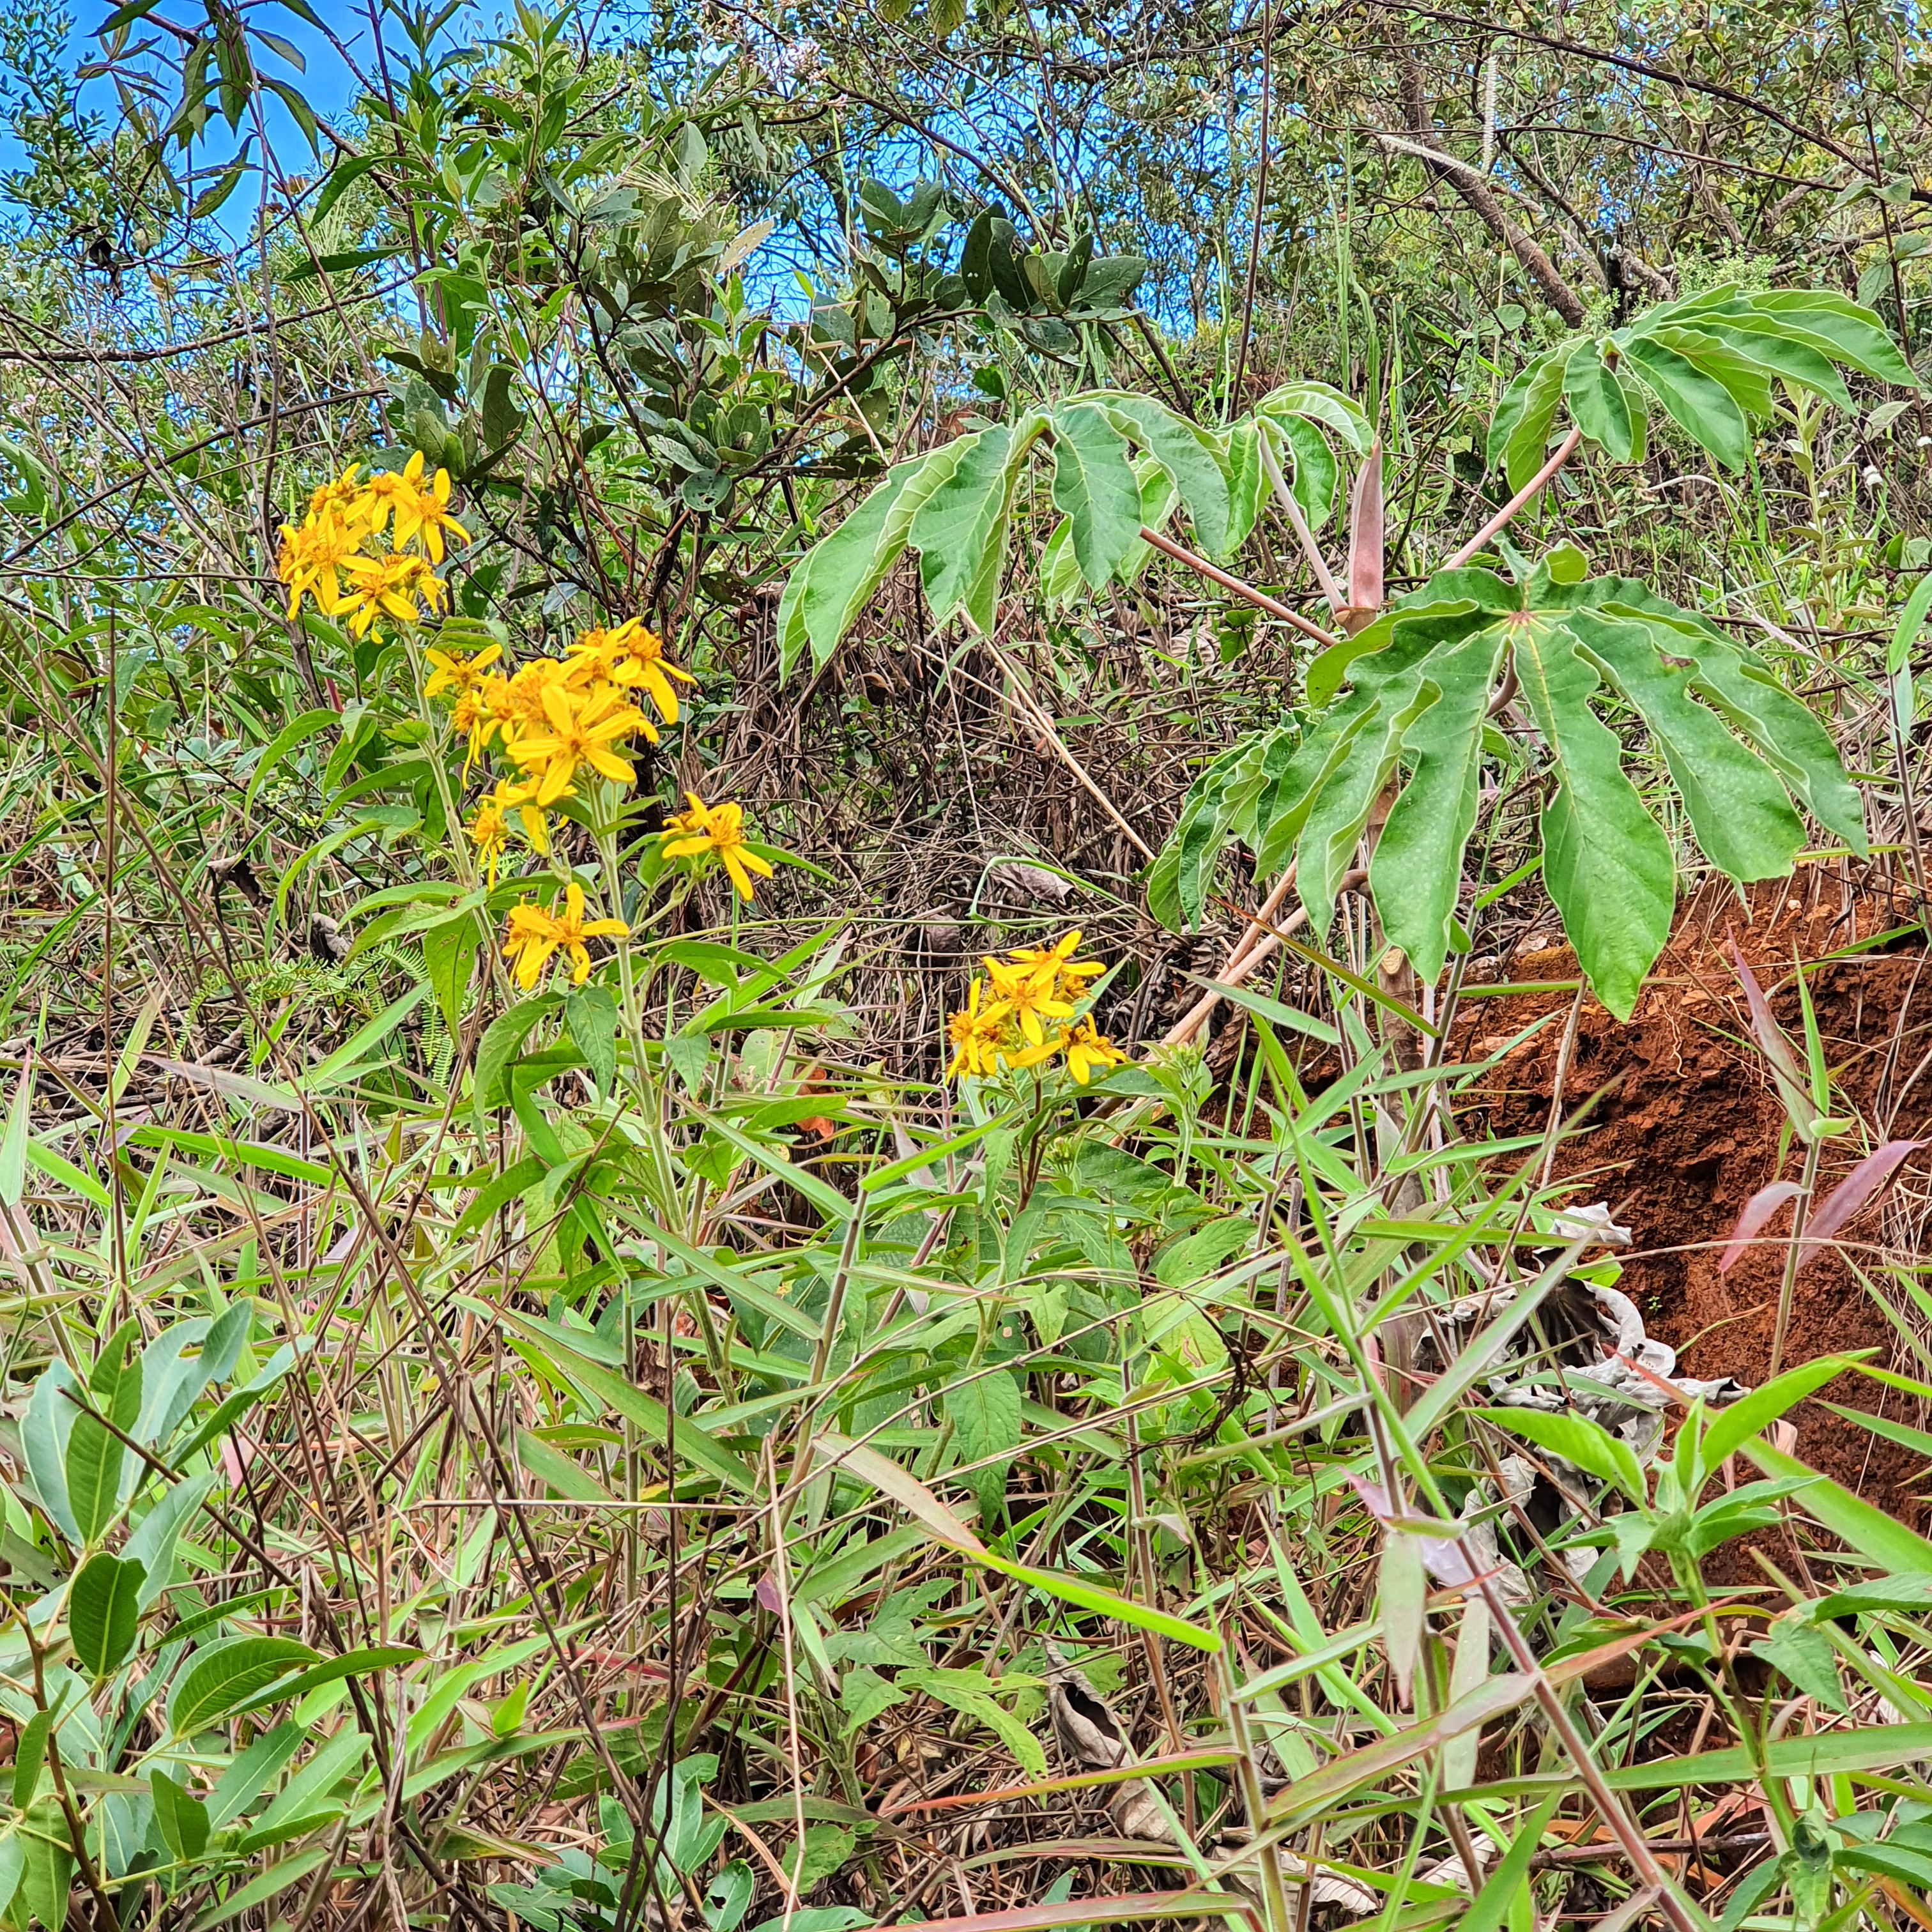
(1417, 863)
(1093, 484)
(1699, 405)
(1712, 362)
(1191, 458)
(1740, 814)
(1606, 860)
(1597, 404)
(830, 586)
(963, 522)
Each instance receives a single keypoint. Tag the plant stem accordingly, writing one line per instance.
(1794, 1255)
(1501, 521)
(1260, 599)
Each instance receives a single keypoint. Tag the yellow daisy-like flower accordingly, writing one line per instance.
(582, 730)
(1087, 1048)
(641, 665)
(402, 587)
(529, 938)
(1056, 964)
(975, 1032)
(531, 935)
(1032, 1001)
(489, 833)
(454, 672)
(313, 557)
(475, 718)
(517, 702)
(719, 829)
(421, 510)
(345, 496)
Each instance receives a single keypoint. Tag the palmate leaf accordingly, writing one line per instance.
(1736, 746)
(1119, 459)
(1710, 363)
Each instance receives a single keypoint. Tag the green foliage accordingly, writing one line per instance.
(1709, 362)
(1736, 745)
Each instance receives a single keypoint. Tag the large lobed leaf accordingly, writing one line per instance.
(1708, 362)
(954, 505)
(1736, 745)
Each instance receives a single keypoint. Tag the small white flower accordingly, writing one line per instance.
(1925, 442)
(1872, 479)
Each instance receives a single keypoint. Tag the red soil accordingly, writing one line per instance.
(1686, 1130)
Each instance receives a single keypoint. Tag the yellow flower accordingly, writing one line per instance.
(531, 935)
(1087, 1048)
(529, 938)
(489, 833)
(313, 555)
(582, 730)
(489, 829)
(719, 829)
(421, 510)
(455, 672)
(517, 702)
(1032, 1000)
(475, 718)
(638, 663)
(976, 1032)
(346, 497)
(1055, 967)
(397, 585)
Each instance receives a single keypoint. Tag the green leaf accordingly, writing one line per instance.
(1505, 1885)
(984, 1412)
(182, 1817)
(971, 1691)
(590, 1012)
(1857, 337)
(1740, 812)
(1520, 434)
(1606, 862)
(45, 1433)
(30, 1754)
(832, 583)
(1877, 1537)
(13, 1143)
(1193, 459)
(1597, 403)
(449, 957)
(1696, 402)
(1416, 871)
(1730, 1428)
(960, 529)
(1804, 1654)
(1095, 489)
(94, 1452)
(228, 1674)
(331, 1670)
(503, 1040)
(264, 1886)
(104, 1611)
(549, 1465)
(1087, 1595)
(47, 1875)
(298, 731)
(1579, 1440)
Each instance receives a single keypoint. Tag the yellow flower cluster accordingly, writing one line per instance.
(1021, 1012)
(552, 719)
(706, 828)
(534, 934)
(332, 554)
